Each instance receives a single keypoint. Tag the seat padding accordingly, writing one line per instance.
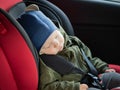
(7, 80)
(116, 67)
(18, 68)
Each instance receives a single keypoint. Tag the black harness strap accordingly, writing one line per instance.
(59, 64)
(62, 66)
(90, 65)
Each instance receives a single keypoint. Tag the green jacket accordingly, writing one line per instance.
(51, 80)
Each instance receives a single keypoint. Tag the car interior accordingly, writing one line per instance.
(95, 22)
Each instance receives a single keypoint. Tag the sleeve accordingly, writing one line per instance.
(100, 65)
(51, 80)
(63, 85)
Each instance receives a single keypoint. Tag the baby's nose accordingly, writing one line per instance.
(56, 43)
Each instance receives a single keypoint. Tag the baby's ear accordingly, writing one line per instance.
(32, 7)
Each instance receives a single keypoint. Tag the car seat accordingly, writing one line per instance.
(49, 9)
(16, 50)
(54, 13)
(18, 59)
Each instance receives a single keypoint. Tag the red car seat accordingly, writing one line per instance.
(18, 61)
(116, 67)
(55, 13)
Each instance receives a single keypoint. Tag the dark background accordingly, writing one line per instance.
(97, 24)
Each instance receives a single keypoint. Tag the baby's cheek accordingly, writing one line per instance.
(45, 51)
(48, 51)
(54, 51)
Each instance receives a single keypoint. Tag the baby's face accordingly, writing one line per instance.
(53, 44)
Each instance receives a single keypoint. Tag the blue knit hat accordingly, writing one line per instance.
(38, 26)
